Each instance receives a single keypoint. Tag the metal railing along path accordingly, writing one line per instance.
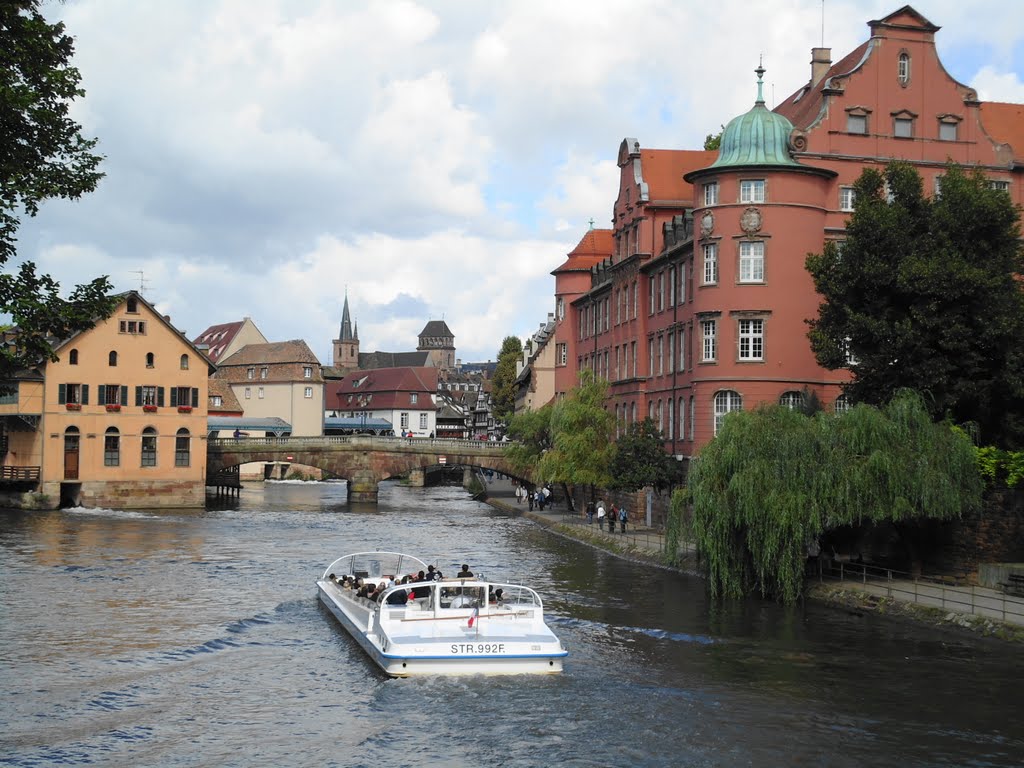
(426, 443)
(943, 592)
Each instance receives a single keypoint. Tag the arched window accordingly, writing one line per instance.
(184, 362)
(182, 448)
(73, 357)
(792, 400)
(112, 448)
(149, 447)
(842, 404)
(726, 401)
(650, 410)
(671, 419)
(150, 360)
(112, 359)
(903, 68)
(661, 417)
(634, 413)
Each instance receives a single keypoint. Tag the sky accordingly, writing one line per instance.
(432, 160)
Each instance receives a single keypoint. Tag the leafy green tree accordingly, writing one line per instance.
(43, 155)
(640, 460)
(582, 442)
(924, 294)
(714, 140)
(774, 480)
(503, 393)
(530, 432)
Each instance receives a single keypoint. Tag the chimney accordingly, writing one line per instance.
(821, 60)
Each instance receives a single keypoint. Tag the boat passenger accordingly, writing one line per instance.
(433, 574)
(465, 573)
(398, 597)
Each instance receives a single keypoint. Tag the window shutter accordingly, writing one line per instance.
(160, 397)
(174, 397)
(101, 396)
(85, 394)
(195, 397)
(124, 394)
(62, 394)
(138, 395)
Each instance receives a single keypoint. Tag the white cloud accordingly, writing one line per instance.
(434, 158)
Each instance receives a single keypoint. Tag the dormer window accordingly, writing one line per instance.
(133, 306)
(903, 69)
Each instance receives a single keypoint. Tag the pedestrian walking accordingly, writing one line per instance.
(591, 509)
(612, 514)
(623, 518)
(530, 499)
(600, 515)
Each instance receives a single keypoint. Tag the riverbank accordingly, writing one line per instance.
(648, 547)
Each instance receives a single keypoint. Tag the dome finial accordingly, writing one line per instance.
(760, 71)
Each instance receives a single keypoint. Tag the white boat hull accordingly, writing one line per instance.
(409, 641)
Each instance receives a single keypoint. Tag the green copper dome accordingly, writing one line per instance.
(759, 137)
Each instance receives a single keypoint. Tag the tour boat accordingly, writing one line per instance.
(450, 626)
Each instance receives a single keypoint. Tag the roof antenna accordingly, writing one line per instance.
(142, 279)
(822, 23)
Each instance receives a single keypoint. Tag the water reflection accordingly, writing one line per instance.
(195, 637)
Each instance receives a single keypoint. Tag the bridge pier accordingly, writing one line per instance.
(417, 478)
(362, 486)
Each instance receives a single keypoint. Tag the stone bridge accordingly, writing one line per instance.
(362, 460)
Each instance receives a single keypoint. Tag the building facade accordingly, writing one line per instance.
(118, 420)
(279, 379)
(702, 306)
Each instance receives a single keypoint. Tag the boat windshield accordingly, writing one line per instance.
(375, 565)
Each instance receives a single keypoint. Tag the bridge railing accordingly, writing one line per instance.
(439, 444)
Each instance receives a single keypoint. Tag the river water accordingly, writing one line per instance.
(196, 639)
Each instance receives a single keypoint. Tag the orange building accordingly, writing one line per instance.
(701, 307)
(118, 420)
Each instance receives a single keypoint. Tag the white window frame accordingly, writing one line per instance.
(847, 197)
(726, 401)
(259, 392)
(307, 372)
(423, 421)
(248, 393)
(903, 68)
(752, 261)
(792, 399)
(752, 191)
(709, 331)
(842, 404)
(750, 340)
(711, 193)
(308, 392)
(710, 251)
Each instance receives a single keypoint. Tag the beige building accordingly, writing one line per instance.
(119, 420)
(281, 379)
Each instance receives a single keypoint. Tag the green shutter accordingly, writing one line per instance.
(101, 395)
(85, 394)
(174, 397)
(138, 395)
(124, 394)
(62, 394)
(160, 396)
(195, 397)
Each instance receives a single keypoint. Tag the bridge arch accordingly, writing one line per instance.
(363, 460)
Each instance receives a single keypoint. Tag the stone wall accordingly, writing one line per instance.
(994, 534)
(143, 494)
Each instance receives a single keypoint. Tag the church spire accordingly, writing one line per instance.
(346, 333)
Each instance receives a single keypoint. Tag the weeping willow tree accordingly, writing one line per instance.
(774, 480)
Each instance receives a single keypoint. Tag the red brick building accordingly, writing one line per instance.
(701, 306)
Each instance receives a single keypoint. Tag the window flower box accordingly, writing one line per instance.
(113, 407)
(73, 406)
(184, 409)
(149, 408)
